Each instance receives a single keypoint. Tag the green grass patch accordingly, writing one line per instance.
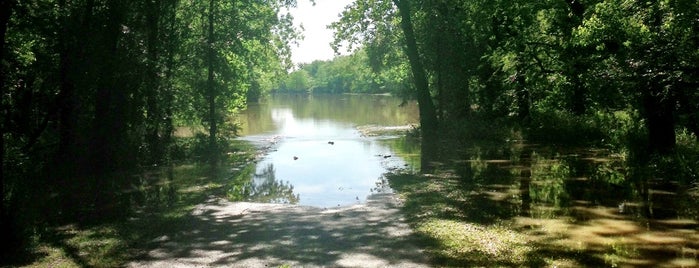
(437, 207)
(479, 245)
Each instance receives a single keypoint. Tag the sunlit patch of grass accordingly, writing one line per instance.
(53, 257)
(99, 246)
(435, 208)
(479, 244)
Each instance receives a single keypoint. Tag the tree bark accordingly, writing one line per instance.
(428, 115)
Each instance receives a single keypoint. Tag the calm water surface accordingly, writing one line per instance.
(316, 154)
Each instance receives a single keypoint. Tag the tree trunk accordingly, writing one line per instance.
(211, 89)
(109, 138)
(428, 114)
(578, 105)
(108, 104)
(153, 113)
(522, 94)
(658, 111)
(169, 51)
(6, 8)
(65, 100)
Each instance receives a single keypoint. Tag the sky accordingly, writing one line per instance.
(317, 38)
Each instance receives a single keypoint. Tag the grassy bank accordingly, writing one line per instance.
(161, 203)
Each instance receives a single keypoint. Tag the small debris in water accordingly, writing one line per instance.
(331, 142)
(296, 158)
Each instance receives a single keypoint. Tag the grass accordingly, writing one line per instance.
(434, 207)
(480, 244)
(161, 204)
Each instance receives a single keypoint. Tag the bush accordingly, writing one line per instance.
(620, 129)
(561, 127)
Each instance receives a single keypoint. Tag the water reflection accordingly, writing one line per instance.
(353, 110)
(264, 187)
(315, 147)
(580, 200)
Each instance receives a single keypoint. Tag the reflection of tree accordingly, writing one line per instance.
(264, 187)
(525, 176)
(548, 177)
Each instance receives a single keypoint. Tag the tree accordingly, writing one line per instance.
(91, 91)
(298, 81)
(651, 46)
(6, 232)
(368, 22)
(428, 114)
(236, 46)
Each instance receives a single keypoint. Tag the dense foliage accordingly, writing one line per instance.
(619, 66)
(93, 89)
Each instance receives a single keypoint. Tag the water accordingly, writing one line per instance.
(585, 206)
(317, 155)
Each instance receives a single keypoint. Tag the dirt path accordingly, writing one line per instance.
(239, 234)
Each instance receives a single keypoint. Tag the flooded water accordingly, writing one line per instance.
(317, 153)
(582, 207)
(579, 206)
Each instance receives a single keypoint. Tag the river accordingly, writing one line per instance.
(319, 152)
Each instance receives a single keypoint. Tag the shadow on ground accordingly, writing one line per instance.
(222, 233)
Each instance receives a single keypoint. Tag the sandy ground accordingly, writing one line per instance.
(240, 234)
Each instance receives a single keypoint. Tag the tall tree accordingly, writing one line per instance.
(6, 10)
(428, 114)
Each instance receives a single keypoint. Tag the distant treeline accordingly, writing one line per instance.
(343, 74)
